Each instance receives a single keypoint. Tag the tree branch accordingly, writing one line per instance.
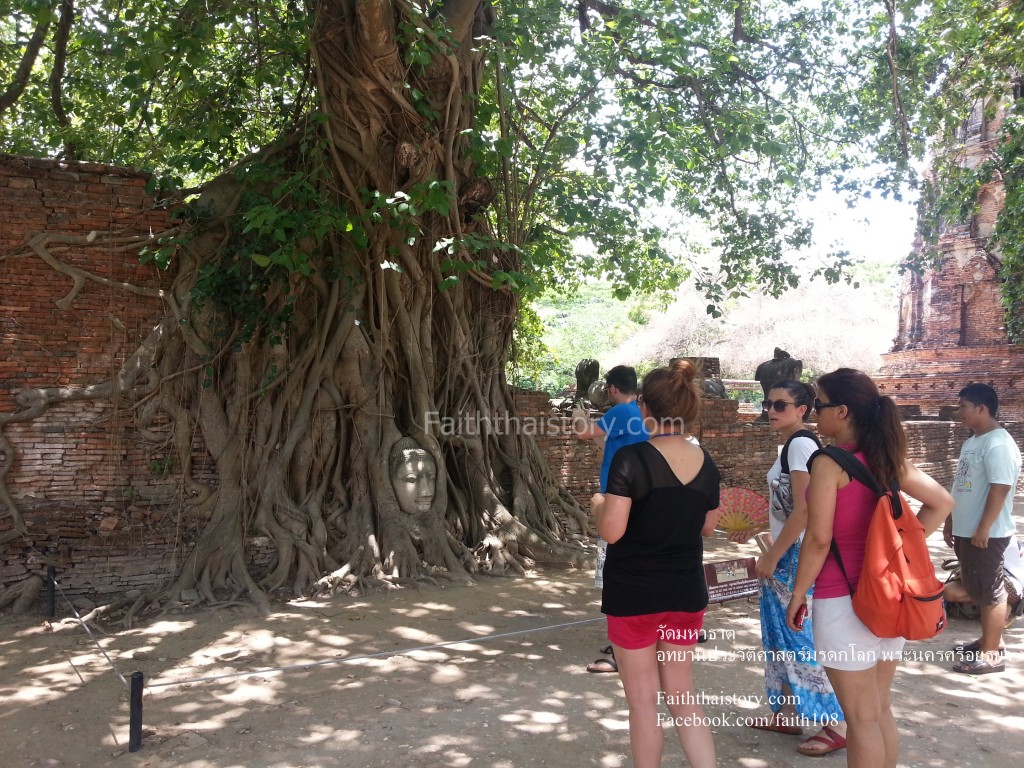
(897, 100)
(60, 53)
(28, 60)
(739, 34)
(376, 29)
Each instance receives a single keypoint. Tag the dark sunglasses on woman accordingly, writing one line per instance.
(778, 405)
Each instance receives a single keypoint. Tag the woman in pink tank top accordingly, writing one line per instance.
(859, 664)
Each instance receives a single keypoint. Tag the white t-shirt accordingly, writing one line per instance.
(780, 489)
(984, 460)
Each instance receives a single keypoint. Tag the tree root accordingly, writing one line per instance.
(22, 596)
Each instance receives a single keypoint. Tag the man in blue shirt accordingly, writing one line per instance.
(621, 425)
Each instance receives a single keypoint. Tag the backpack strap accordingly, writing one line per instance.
(784, 456)
(853, 467)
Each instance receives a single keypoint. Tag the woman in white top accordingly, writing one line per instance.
(797, 688)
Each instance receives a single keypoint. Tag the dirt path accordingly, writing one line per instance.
(512, 694)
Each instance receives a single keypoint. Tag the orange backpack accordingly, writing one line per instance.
(898, 594)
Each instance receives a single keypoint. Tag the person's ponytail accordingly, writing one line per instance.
(888, 442)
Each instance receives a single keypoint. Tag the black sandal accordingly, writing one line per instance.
(603, 665)
(976, 666)
(973, 647)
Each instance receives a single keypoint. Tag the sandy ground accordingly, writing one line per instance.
(362, 683)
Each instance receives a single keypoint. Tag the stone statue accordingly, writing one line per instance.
(413, 473)
(597, 394)
(587, 371)
(715, 389)
(781, 366)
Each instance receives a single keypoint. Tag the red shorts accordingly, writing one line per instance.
(675, 627)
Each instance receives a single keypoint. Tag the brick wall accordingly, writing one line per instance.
(43, 344)
(92, 493)
(931, 377)
(575, 463)
(958, 303)
(743, 449)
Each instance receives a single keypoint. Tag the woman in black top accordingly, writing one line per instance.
(660, 500)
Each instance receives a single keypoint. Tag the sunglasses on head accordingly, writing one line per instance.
(818, 405)
(778, 405)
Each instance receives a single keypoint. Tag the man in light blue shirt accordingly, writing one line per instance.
(981, 526)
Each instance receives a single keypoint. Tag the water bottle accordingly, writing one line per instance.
(602, 552)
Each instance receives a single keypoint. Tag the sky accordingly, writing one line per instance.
(876, 229)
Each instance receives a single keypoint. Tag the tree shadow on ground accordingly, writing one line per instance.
(490, 674)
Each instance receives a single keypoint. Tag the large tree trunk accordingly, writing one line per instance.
(300, 419)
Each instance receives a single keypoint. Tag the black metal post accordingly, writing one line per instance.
(51, 591)
(135, 714)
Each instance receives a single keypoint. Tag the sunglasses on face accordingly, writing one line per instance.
(819, 406)
(778, 405)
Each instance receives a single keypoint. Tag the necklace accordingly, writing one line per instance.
(667, 434)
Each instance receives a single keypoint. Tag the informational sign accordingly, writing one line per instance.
(731, 579)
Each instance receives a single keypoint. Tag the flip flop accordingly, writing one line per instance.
(976, 666)
(772, 724)
(603, 665)
(832, 740)
(608, 651)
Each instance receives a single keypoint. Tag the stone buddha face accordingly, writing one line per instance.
(413, 476)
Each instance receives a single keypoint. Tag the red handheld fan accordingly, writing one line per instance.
(742, 510)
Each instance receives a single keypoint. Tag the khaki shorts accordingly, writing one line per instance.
(981, 570)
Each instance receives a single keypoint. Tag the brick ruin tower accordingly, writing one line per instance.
(951, 324)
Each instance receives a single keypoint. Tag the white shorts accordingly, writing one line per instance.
(841, 641)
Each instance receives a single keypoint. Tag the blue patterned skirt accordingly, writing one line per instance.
(789, 656)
